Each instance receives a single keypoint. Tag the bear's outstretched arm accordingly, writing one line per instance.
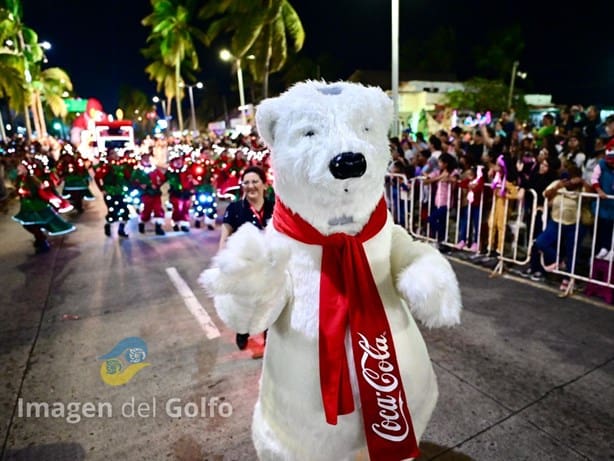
(425, 279)
(248, 280)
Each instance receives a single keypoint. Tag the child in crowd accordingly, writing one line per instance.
(563, 196)
(398, 189)
(444, 179)
(602, 183)
(504, 189)
(471, 184)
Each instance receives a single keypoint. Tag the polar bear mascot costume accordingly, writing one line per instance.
(346, 373)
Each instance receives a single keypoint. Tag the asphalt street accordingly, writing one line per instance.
(526, 376)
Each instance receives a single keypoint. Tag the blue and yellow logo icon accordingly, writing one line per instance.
(124, 361)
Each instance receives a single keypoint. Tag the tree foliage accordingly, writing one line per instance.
(481, 95)
(172, 34)
(430, 54)
(496, 57)
(23, 81)
(266, 29)
(51, 84)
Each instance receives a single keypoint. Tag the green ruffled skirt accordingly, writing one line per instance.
(37, 212)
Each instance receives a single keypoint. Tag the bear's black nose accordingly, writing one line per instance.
(348, 165)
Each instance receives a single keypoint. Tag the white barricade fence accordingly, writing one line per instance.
(582, 268)
(411, 203)
(470, 214)
(397, 197)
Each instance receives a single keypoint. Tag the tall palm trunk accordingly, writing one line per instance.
(26, 113)
(41, 115)
(2, 132)
(35, 114)
(22, 44)
(267, 66)
(178, 94)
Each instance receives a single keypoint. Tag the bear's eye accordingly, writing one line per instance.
(310, 133)
(366, 129)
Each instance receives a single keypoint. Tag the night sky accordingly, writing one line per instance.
(569, 51)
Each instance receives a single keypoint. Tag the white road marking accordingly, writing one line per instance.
(195, 308)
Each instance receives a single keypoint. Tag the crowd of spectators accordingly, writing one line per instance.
(567, 152)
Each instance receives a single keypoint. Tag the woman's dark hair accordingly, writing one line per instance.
(449, 161)
(435, 141)
(255, 169)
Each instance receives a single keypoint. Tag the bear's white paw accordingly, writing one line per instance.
(248, 280)
(249, 265)
(431, 289)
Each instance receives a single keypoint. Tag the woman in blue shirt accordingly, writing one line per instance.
(254, 207)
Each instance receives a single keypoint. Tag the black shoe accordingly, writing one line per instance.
(537, 276)
(476, 257)
(197, 224)
(41, 246)
(176, 227)
(121, 231)
(526, 273)
(159, 230)
(142, 227)
(184, 229)
(107, 230)
(242, 340)
(210, 227)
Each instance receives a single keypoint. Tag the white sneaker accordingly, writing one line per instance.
(609, 256)
(602, 253)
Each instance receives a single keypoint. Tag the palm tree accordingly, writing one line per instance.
(13, 30)
(163, 74)
(27, 47)
(259, 28)
(49, 85)
(137, 105)
(172, 31)
(11, 77)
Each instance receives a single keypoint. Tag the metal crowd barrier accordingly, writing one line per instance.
(411, 203)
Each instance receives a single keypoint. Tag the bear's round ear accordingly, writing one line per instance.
(267, 116)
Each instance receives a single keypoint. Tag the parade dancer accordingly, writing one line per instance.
(204, 202)
(35, 213)
(180, 191)
(148, 179)
(112, 177)
(73, 170)
(40, 166)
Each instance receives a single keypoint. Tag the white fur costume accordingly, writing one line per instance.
(272, 281)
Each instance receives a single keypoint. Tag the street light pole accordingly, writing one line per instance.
(192, 109)
(395, 67)
(198, 85)
(241, 92)
(157, 100)
(226, 55)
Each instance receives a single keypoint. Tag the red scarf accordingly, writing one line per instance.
(349, 296)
